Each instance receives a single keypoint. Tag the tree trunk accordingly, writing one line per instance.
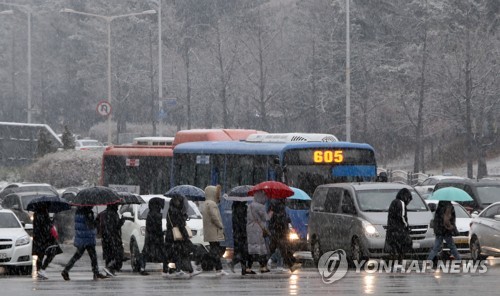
(418, 164)
(468, 102)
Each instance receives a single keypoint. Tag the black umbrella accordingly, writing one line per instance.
(54, 204)
(189, 191)
(130, 198)
(239, 193)
(94, 196)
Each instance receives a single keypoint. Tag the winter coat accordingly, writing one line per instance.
(112, 246)
(42, 238)
(239, 221)
(153, 240)
(85, 228)
(256, 220)
(213, 229)
(177, 218)
(398, 240)
(278, 223)
(443, 226)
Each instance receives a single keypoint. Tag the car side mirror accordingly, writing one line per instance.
(127, 216)
(432, 207)
(27, 226)
(474, 214)
(497, 217)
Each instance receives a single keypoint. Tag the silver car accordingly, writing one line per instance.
(353, 217)
(484, 237)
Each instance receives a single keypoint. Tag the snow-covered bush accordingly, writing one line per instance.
(66, 168)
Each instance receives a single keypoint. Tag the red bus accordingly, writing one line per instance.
(145, 169)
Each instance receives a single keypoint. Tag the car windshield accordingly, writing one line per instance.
(378, 200)
(298, 204)
(193, 212)
(488, 194)
(460, 212)
(27, 198)
(8, 220)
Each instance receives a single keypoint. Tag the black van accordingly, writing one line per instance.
(483, 192)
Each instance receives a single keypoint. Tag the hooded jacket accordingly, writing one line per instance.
(213, 229)
(153, 241)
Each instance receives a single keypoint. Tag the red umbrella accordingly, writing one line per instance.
(272, 189)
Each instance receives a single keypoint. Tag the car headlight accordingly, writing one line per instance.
(143, 230)
(370, 230)
(24, 240)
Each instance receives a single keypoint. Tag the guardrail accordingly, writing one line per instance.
(404, 177)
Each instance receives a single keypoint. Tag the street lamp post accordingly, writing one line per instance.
(28, 12)
(160, 65)
(108, 20)
(348, 74)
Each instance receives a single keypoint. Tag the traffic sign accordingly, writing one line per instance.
(103, 108)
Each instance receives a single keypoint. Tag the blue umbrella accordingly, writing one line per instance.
(299, 194)
(450, 194)
(190, 192)
(54, 204)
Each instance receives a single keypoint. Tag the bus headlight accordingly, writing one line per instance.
(292, 235)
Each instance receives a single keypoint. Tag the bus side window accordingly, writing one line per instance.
(259, 168)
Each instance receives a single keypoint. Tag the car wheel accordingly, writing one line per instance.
(27, 270)
(475, 250)
(135, 256)
(356, 252)
(316, 251)
(207, 263)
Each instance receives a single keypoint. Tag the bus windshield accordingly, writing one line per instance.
(310, 167)
(147, 174)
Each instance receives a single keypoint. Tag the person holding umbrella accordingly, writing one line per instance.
(45, 245)
(444, 228)
(278, 226)
(85, 240)
(445, 219)
(178, 250)
(112, 247)
(257, 231)
(239, 197)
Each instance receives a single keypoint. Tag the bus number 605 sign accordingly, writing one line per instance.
(328, 156)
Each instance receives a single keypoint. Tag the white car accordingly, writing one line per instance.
(485, 233)
(426, 187)
(134, 228)
(463, 220)
(88, 144)
(15, 243)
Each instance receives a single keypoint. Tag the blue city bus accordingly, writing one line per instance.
(304, 165)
